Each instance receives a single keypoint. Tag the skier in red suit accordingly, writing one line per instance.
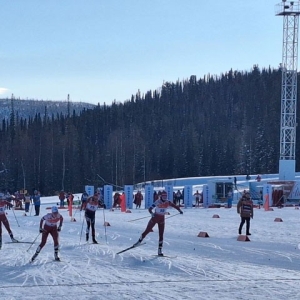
(158, 217)
(50, 221)
(3, 219)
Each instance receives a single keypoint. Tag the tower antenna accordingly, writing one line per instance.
(290, 11)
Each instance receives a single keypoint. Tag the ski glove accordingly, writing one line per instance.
(152, 215)
(42, 230)
(59, 228)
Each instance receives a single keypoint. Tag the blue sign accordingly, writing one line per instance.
(169, 190)
(128, 190)
(148, 195)
(188, 196)
(89, 189)
(206, 196)
(108, 196)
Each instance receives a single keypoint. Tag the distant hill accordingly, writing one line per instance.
(29, 108)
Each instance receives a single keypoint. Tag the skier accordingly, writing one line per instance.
(50, 221)
(245, 209)
(90, 207)
(158, 217)
(3, 219)
(84, 198)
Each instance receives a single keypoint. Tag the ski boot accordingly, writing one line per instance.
(138, 242)
(56, 257)
(87, 237)
(159, 252)
(56, 254)
(13, 239)
(35, 254)
(94, 240)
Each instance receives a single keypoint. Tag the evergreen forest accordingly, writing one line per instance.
(216, 125)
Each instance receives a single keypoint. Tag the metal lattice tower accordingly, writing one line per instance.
(290, 12)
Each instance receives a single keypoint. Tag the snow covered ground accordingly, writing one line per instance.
(216, 267)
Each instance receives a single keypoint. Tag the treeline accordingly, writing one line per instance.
(30, 107)
(217, 125)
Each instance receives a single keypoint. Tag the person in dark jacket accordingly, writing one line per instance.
(245, 209)
(138, 197)
(36, 198)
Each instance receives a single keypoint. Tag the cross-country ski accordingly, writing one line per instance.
(129, 248)
(19, 242)
(163, 256)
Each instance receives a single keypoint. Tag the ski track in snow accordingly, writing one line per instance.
(217, 267)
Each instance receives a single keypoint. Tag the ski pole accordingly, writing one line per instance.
(75, 212)
(31, 209)
(139, 219)
(105, 182)
(13, 209)
(172, 216)
(81, 231)
(33, 242)
(104, 226)
(77, 207)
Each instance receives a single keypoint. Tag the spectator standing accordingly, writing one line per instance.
(138, 197)
(245, 209)
(27, 202)
(36, 198)
(198, 198)
(182, 197)
(117, 200)
(62, 197)
(229, 198)
(177, 199)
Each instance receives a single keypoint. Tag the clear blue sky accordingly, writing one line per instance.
(105, 50)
